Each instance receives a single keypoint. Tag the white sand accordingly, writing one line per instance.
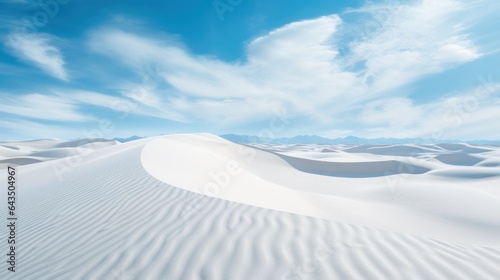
(137, 210)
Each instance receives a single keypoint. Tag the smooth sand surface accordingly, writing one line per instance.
(199, 207)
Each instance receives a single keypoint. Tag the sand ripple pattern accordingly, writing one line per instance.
(121, 223)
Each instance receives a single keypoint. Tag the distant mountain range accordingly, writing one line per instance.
(314, 139)
(131, 138)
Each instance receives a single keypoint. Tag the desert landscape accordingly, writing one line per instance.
(250, 140)
(196, 206)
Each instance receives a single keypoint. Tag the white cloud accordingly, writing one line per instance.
(397, 113)
(411, 41)
(30, 130)
(273, 76)
(128, 104)
(38, 49)
(456, 53)
(468, 115)
(43, 107)
(309, 67)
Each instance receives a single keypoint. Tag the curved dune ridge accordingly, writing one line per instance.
(392, 190)
(115, 213)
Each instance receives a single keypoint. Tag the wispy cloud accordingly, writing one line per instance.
(299, 66)
(29, 130)
(135, 100)
(338, 74)
(42, 107)
(462, 115)
(413, 40)
(221, 91)
(40, 50)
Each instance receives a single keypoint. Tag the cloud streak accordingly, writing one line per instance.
(336, 73)
(299, 66)
(38, 49)
(42, 107)
(458, 116)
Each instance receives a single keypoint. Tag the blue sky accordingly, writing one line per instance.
(72, 69)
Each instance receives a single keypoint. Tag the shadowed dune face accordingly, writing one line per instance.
(464, 148)
(394, 150)
(55, 153)
(467, 174)
(461, 159)
(490, 163)
(10, 147)
(97, 142)
(7, 151)
(392, 159)
(354, 169)
(20, 161)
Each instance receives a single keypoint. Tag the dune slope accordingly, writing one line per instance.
(111, 214)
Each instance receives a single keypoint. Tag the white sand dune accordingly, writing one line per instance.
(29, 152)
(199, 207)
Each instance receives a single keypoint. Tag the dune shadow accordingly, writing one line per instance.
(10, 147)
(392, 150)
(465, 174)
(460, 159)
(20, 161)
(353, 169)
(463, 148)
